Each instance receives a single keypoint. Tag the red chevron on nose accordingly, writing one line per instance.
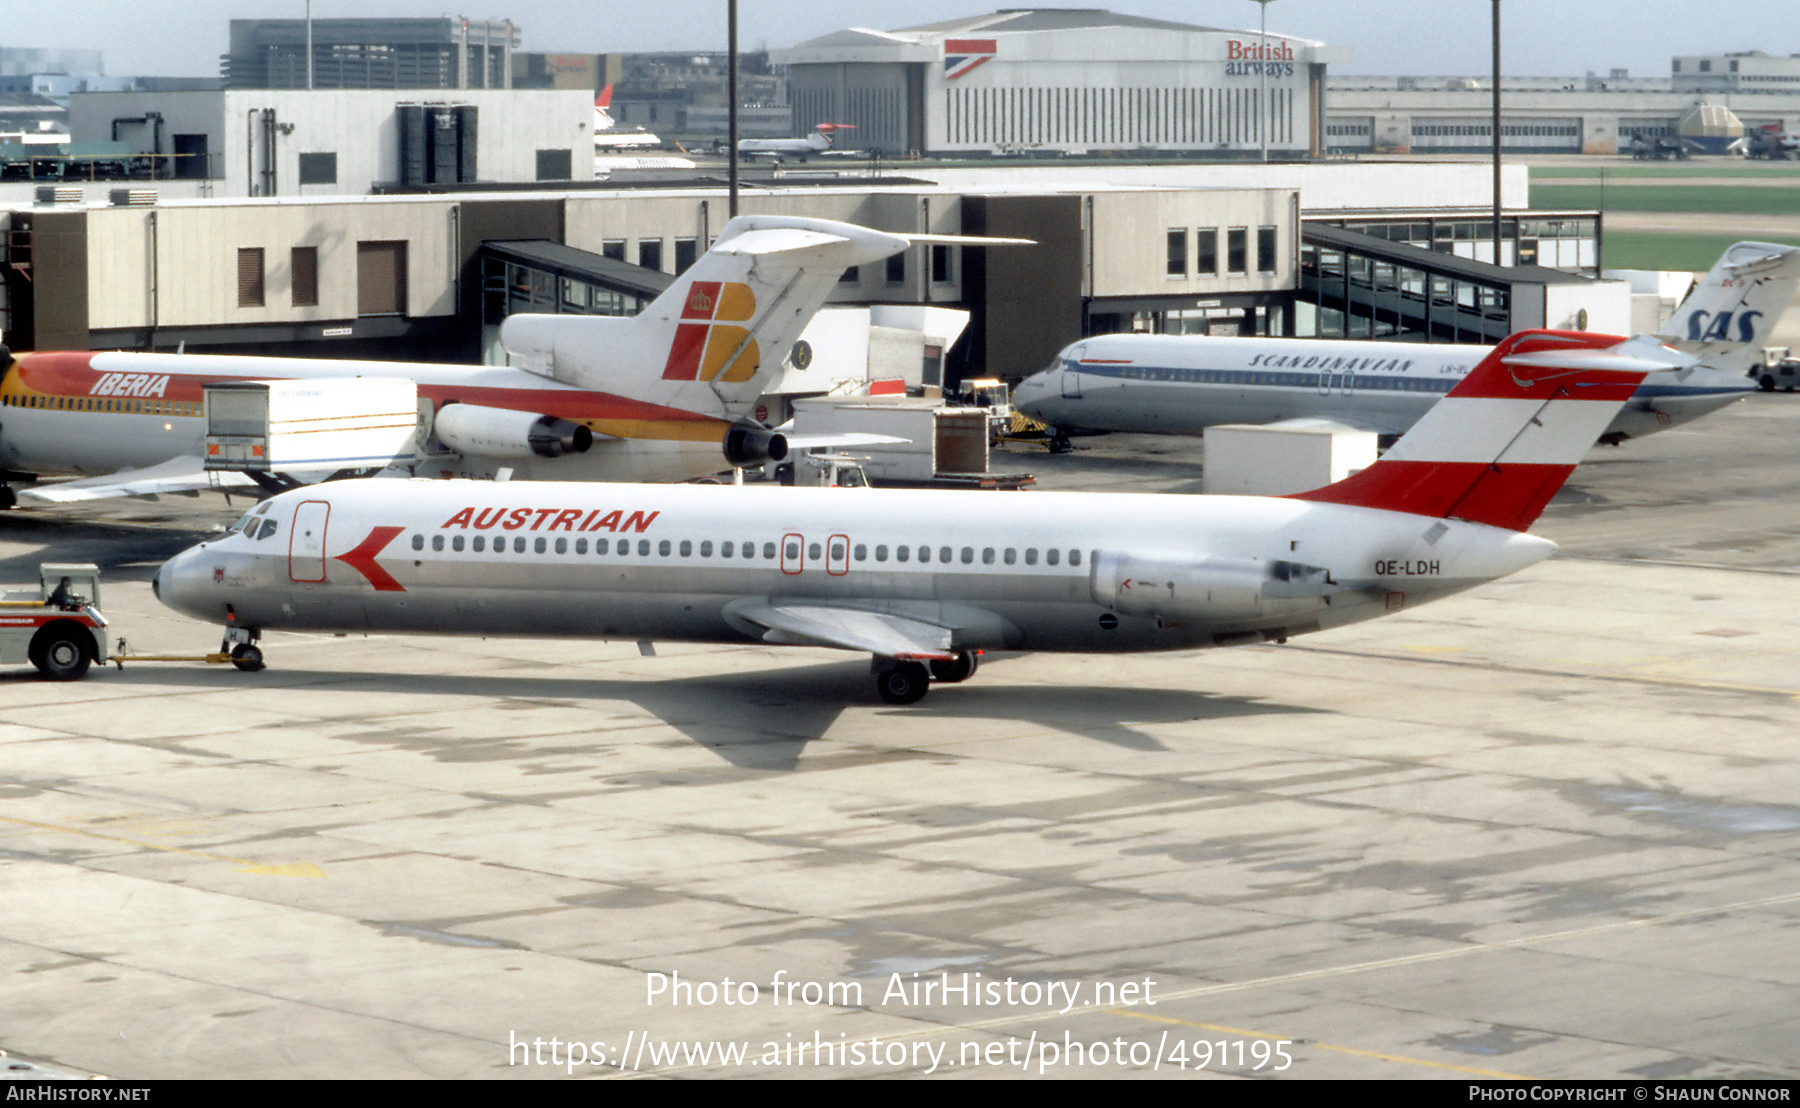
(362, 559)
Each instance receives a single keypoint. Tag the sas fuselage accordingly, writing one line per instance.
(1183, 384)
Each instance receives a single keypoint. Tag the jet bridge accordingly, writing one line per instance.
(1362, 286)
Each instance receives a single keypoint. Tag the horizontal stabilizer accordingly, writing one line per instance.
(1643, 354)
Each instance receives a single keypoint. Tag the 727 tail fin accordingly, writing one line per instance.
(713, 341)
(1497, 447)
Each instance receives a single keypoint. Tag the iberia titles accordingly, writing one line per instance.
(550, 519)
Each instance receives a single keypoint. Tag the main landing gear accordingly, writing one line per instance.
(906, 682)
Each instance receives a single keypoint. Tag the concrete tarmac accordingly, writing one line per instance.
(1545, 829)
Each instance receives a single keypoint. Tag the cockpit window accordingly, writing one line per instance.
(268, 528)
(245, 523)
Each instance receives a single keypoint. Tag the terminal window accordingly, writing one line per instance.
(318, 169)
(1237, 249)
(250, 277)
(1265, 249)
(303, 267)
(1206, 250)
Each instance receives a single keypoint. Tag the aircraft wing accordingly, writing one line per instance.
(840, 440)
(177, 475)
(1350, 423)
(816, 623)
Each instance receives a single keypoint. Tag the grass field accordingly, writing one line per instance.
(1730, 199)
(1650, 250)
(1712, 168)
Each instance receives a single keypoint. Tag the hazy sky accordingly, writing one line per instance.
(1424, 37)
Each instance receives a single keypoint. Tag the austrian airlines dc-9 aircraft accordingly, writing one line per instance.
(662, 395)
(926, 580)
(1182, 384)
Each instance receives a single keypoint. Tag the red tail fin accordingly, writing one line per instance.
(1500, 444)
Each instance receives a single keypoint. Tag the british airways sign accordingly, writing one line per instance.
(1249, 59)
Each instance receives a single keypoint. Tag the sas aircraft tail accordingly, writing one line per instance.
(1729, 315)
(715, 339)
(1497, 447)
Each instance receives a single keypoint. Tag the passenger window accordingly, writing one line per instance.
(601, 546)
(687, 548)
(987, 556)
(480, 543)
(437, 542)
(662, 548)
(837, 551)
(1074, 557)
(706, 549)
(581, 546)
(1031, 555)
(1051, 555)
(726, 549)
(768, 550)
(944, 554)
(901, 552)
(456, 543)
(793, 551)
(968, 556)
(643, 548)
(562, 545)
(418, 542)
(812, 551)
(924, 554)
(1010, 556)
(540, 545)
(519, 544)
(862, 552)
(881, 553)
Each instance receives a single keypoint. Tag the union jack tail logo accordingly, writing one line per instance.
(963, 54)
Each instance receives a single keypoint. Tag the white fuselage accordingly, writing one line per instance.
(105, 412)
(1028, 571)
(1183, 384)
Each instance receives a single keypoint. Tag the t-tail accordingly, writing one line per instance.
(1729, 316)
(1497, 447)
(714, 341)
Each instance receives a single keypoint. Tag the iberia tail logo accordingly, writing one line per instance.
(707, 339)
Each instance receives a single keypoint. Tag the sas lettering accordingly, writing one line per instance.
(550, 519)
(131, 384)
(1706, 327)
(1395, 567)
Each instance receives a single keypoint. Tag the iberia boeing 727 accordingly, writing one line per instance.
(925, 581)
(662, 395)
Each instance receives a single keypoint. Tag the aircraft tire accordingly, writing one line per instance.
(59, 653)
(1767, 382)
(246, 657)
(906, 683)
(960, 669)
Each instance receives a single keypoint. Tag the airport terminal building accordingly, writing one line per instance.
(1074, 80)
